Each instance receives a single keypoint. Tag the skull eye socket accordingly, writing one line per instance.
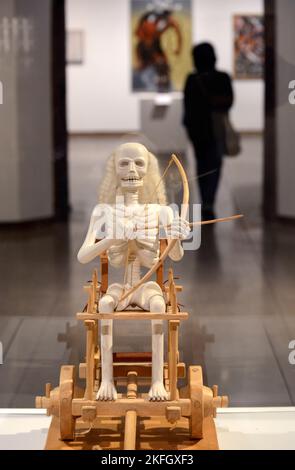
(123, 163)
(140, 163)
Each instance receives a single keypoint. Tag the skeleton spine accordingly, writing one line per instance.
(133, 271)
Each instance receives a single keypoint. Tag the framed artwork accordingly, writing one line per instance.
(248, 46)
(75, 47)
(161, 32)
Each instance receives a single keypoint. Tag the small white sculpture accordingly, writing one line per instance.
(133, 174)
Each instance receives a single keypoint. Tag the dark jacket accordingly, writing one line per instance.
(206, 95)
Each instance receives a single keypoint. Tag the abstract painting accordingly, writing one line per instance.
(161, 44)
(248, 46)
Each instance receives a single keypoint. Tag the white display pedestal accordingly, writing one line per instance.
(161, 122)
(237, 429)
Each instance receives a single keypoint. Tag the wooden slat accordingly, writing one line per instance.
(160, 270)
(132, 357)
(104, 272)
(132, 315)
(143, 407)
(94, 288)
(173, 329)
(90, 346)
(172, 292)
(177, 288)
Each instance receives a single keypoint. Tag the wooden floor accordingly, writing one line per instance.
(152, 434)
(239, 290)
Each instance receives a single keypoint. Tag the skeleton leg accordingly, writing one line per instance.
(107, 391)
(157, 390)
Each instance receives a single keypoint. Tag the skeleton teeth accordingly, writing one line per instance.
(131, 179)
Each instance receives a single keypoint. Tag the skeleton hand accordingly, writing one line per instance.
(179, 228)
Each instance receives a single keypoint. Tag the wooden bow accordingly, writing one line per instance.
(171, 243)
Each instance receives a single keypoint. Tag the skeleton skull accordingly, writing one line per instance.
(131, 162)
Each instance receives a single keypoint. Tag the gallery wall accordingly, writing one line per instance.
(99, 94)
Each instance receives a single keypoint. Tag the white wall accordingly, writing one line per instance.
(285, 118)
(99, 96)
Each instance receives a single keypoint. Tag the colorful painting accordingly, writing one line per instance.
(248, 46)
(161, 44)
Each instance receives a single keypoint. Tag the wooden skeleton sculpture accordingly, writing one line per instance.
(132, 240)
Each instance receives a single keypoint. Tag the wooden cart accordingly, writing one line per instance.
(131, 370)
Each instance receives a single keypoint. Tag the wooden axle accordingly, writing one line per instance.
(143, 407)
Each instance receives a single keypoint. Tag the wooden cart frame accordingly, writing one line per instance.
(194, 401)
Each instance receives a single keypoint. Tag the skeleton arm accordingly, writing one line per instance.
(90, 248)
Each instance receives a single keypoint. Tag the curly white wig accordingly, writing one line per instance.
(152, 191)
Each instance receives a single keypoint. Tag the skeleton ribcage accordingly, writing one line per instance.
(145, 244)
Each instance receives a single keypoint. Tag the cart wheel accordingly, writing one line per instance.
(195, 386)
(66, 394)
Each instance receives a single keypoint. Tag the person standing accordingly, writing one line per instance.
(208, 95)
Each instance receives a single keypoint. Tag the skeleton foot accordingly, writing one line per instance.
(107, 391)
(157, 392)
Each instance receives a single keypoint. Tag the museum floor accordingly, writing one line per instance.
(238, 288)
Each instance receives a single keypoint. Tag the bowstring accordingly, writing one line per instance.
(171, 161)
